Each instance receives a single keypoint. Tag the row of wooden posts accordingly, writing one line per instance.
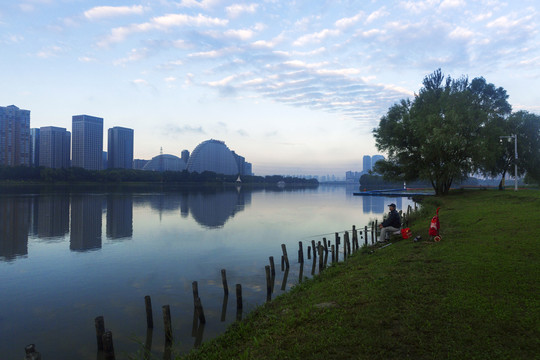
(320, 251)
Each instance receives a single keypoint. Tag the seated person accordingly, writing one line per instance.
(391, 224)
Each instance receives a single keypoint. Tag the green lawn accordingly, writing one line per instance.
(474, 295)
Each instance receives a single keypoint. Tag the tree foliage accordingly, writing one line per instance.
(441, 135)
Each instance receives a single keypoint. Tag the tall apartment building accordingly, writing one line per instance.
(34, 147)
(87, 142)
(54, 147)
(14, 136)
(120, 148)
(366, 163)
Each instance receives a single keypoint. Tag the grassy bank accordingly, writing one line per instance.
(474, 295)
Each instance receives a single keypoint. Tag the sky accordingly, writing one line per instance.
(296, 87)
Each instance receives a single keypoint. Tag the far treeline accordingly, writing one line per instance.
(455, 128)
(75, 175)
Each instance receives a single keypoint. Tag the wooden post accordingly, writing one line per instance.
(31, 353)
(272, 266)
(314, 249)
(354, 238)
(239, 304)
(284, 249)
(309, 252)
(337, 247)
(348, 243)
(167, 323)
(108, 347)
(325, 242)
(300, 253)
(282, 262)
(333, 254)
(284, 282)
(224, 281)
(149, 316)
(100, 330)
(365, 235)
(320, 247)
(195, 287)
(301, 273)
(268, 283)
(200, 311)
(224, 307)
(372, 232)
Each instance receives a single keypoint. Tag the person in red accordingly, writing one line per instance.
(391, 224)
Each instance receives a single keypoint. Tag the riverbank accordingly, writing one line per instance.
(474, 295)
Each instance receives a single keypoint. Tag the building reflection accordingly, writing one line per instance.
(86, 222)
(51, 215)
(213, 209)
(119, 216)
(210, 208)
(14, 226)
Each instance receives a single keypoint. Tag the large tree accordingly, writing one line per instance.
(440, 135)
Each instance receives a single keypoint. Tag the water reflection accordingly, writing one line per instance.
(14, 223)
(86, 222)
(119, 216)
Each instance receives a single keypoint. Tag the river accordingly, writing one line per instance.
(69, 255)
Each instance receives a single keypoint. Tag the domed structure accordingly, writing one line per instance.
(165, 162)
(212, 155)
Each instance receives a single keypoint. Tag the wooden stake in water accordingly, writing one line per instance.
(300, 253)
(224, 281)
(272, 266)
(100, 330)
(284, 249)
(108, 347)
(149, 316)
(239, 304)
(200, 311)
(167, 323)
(268, 283)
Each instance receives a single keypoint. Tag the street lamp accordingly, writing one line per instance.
(514, 136)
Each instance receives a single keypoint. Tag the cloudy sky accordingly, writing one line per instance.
(294, 86)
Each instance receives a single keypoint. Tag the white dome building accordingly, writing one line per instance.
(212, 155)
(165, 162)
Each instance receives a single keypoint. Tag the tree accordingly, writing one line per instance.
(439, 136)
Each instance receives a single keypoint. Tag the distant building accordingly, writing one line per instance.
(34, 147)
(54, 147)
(185, 155)
(213, 155)
(87, 151)
(366, 164)
(376, 158)
(120, 148)
(165, 162)
(139, 164)
(14, 136)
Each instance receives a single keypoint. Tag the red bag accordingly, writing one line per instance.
(435, 225)
(406, 233)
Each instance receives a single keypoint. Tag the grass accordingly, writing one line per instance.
(474, 295)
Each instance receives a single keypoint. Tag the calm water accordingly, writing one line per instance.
(68, 256)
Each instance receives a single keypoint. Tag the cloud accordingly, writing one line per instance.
(461, 33)
(236, 10)
(348, 22)
(377, 15)
(173, 129)
(134, 55)
(316, 37)
(51, 51)
(101, 12)
(161, 23)
(449, 4)
(204, 4)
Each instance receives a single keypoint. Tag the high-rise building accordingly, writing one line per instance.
(185, 155)
(376, 158)
(34, 147)
(366, 164)
(120, 148)
(87, 150)
(54, 147)
(14, 136)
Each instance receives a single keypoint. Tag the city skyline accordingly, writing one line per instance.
(297, 87)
